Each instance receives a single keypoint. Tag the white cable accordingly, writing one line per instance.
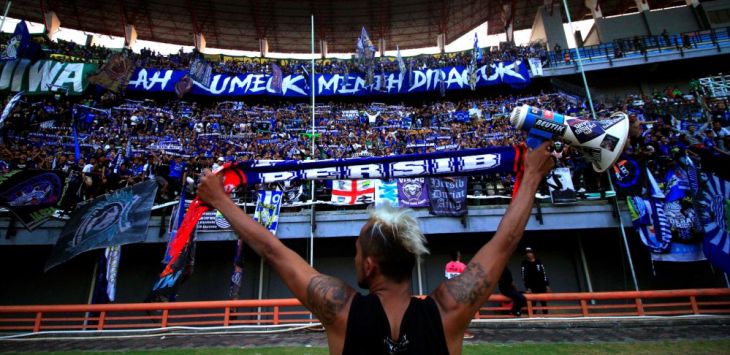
(265, 329)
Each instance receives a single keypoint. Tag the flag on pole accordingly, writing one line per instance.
(650, 222)
(234, 288)
(401, 64)
(276, 78)
(715, 216)
(268, 205)
(77, 147)
(9, 108)
(352, 192)
(476, 51)
(19, 44)
(105, 289)
(118, 218)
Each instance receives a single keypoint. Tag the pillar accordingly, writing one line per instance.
(52, 23)
(323, 48)
(508, 20)
(130, 36)
(548, 26)
(263, 47)
(381, 47)
(199, 41)
(441, 42)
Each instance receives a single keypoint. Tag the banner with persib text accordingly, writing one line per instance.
(515, 74)
(45, 77)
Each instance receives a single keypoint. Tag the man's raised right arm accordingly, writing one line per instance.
(326, 296)
(459, 298)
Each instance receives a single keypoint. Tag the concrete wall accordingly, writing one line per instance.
(674, 20)
(716, 12)
(23, 280)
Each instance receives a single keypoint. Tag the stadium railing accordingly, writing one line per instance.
(642, 46)
(282, 312)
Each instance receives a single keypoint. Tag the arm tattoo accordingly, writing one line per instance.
(326, 296)
(470, 286)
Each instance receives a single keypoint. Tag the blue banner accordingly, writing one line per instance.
(514, 74)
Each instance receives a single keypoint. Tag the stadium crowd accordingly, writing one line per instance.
(123, 142)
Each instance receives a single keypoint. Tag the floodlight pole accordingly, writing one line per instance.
(311, 87)
(580, 62)
(5, 14)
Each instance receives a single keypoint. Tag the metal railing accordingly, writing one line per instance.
(642, 46)
(278, 312)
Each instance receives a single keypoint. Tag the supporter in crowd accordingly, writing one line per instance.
(507, 287)
(534, 275)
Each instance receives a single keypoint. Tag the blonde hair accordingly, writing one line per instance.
(401, 225)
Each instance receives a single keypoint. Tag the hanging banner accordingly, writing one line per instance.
(386, 191)
(353, 192)
(514, 74)
(268, 206)
(45, 77)
(447, 196)
(561, 187)
(412, 192)
(31, 195)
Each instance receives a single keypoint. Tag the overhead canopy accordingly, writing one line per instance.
(235, 24)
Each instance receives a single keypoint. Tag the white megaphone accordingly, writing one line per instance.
(600, 141)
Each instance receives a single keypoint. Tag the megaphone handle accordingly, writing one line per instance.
(533, 142)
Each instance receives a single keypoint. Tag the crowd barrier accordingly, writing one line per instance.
(278, 312)
(641, 46)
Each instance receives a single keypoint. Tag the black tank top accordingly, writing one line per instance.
(368, 329)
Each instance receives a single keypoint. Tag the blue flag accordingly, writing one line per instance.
(18, 44)
(476, 52)
(276, 78)
(650, 222)
(715, 216)
(77, 148)
(9, 108)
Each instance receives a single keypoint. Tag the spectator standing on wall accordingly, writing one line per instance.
(534, 275)
(507, 287)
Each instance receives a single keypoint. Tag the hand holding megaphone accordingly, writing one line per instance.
(600, 141)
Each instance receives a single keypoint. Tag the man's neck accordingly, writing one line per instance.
(388, 290)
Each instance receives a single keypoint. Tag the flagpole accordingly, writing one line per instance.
(585, 266)
(420, 282)
(623, 234)
(91, 290)
(311, 86)
(5, 14)
(580, 62)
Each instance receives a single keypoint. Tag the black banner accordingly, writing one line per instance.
(114, 219)
(447, 196)
(31, 195)
(628, 176)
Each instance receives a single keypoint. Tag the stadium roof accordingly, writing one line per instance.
(232, 24)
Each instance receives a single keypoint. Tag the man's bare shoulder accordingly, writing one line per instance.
(328, 298)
